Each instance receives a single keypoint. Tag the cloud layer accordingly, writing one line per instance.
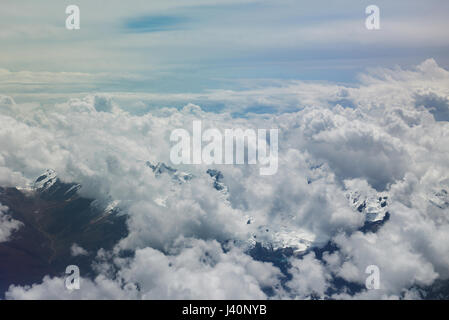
(7, 224)
(386, 136)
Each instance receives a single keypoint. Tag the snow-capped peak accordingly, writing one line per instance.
(177, 175)
(46, 180)
(373, 206)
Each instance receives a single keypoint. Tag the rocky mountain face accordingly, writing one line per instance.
(162, 168)
(54, 217)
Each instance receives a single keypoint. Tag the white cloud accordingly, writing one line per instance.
(54, 289)
(7, 224)
(374, 135)
(309, 277)
(249, 38)
(195, 270)
(76, 250)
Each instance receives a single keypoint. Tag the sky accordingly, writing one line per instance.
(193, 46)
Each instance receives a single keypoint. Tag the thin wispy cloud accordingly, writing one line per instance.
(155, 23)
(190, 45)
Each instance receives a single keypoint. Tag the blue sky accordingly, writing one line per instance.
(146, 24)
(197, 45)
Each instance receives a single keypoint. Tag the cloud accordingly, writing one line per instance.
(29, 82)
(195, 270)
(7, 224)
(233, 39)
(380, 141)
(154, 23)
(309, 278)
(438, 106)
(76, 250)
(54, 289)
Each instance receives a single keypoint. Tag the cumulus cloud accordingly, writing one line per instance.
(375, 138)
(54, 289)
(7, 224)
(309, 278)
(438, 106)
(195, 269)
(76, 250)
